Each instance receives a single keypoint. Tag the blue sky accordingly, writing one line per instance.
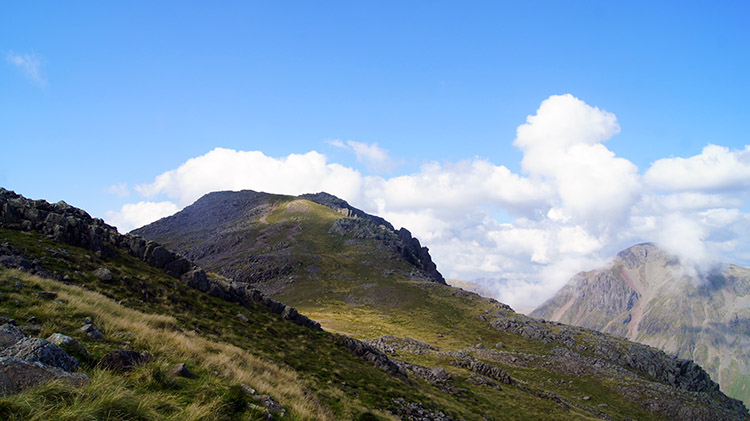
(97, 100)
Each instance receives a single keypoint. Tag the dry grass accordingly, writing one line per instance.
(161, 335)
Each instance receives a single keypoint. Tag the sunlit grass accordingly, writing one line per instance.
(160, 335)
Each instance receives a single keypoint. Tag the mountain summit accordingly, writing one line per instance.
(267, 239)
(645, 295)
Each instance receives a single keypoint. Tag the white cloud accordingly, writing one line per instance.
(575, 205)
(29, 65)
(371, 155)
(227, 169)
(715, 169)
(135, 215)
(562, 145)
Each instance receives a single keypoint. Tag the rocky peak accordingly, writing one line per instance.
(641, 254)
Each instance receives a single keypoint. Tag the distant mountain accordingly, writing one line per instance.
(469, 286)
(194, 345)
(644, 295)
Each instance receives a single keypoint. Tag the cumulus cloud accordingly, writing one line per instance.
(134, 215)
(227, 169)
(563, 145)
(715, 169)
(371, 155)
(29, 65)
(574, 205)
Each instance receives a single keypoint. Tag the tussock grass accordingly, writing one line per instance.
(160, 335)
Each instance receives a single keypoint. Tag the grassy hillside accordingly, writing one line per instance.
(306, 371)
(343, 272)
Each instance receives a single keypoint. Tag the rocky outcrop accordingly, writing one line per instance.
(373, 355)
(392, 345)
(64, 223)
(39, 350)
(682, 374)
(241, 293)
(400, 242)
(486, 370)
(27, 362)
(414, 411)
(17, 374)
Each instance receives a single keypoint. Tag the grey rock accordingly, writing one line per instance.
(103, 274)
(40, 350)
(413, 411)
(373, 355)
(17, 374)
(487, 370)
(392, 345)
(9, 335)
(182, 371)
(92, 331)
(269, 403)
(68, 344)
(247, 389)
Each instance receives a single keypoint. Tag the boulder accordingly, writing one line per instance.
(122, 361)
(9, 335)
(40, 350)
(92, 331)
(17, 374)
(103, 274)
(68, 344)
(182, 371)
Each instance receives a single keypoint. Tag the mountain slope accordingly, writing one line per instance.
(346, 270)
(644, 296)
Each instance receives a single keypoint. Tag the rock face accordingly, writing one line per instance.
(645, 296)
(214, 231)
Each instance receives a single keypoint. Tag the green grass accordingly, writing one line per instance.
(305, 371)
